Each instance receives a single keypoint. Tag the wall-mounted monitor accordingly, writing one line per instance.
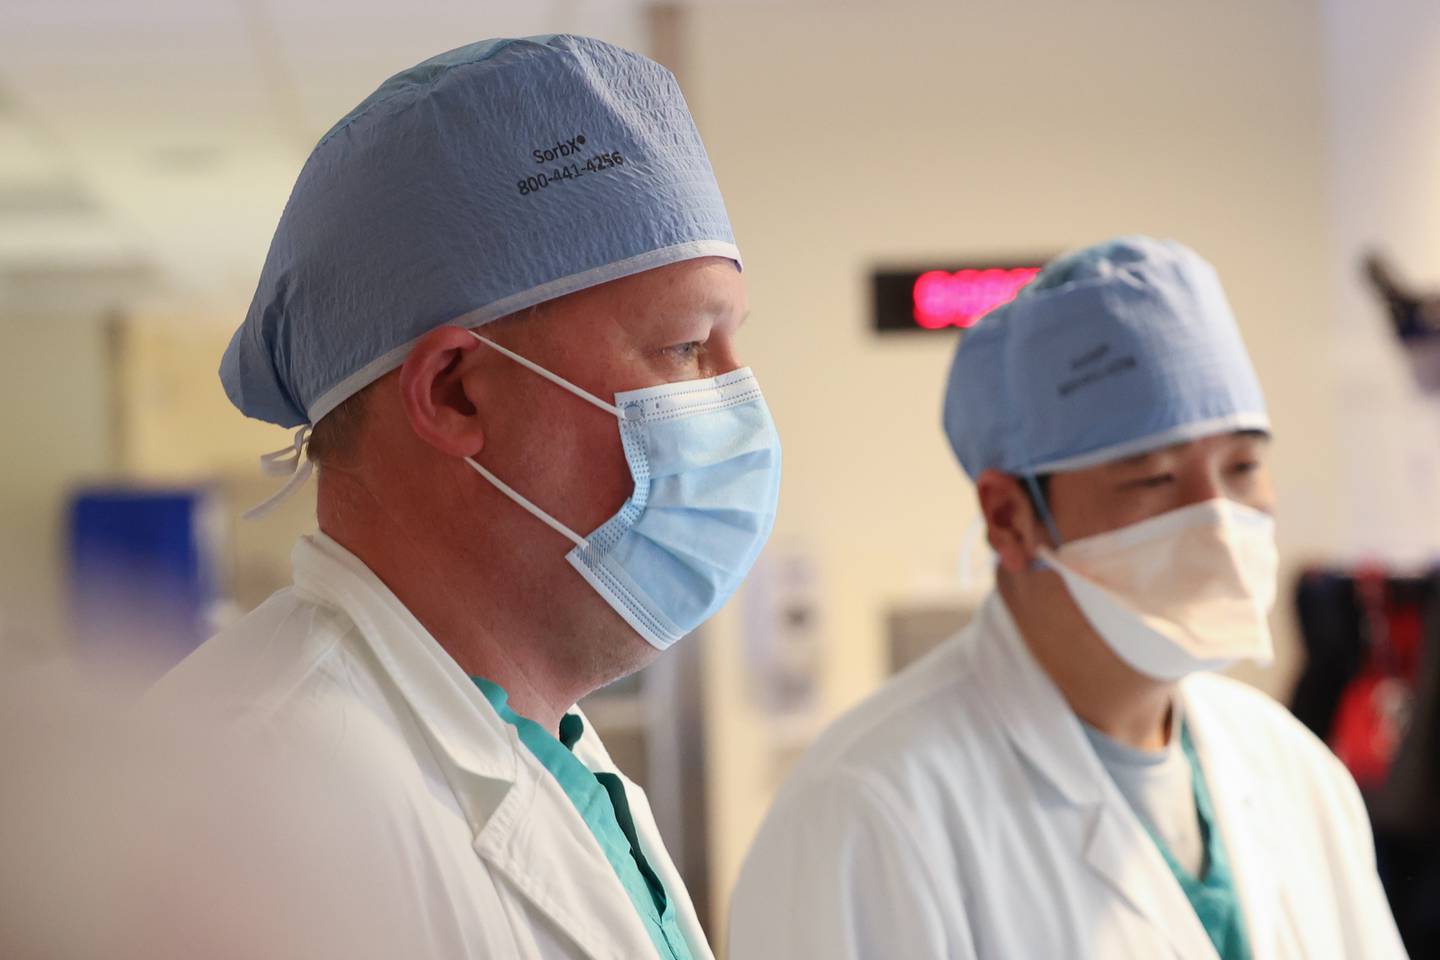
(945, 297)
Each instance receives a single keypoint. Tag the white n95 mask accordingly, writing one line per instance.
(1186, 591)
(705, 458)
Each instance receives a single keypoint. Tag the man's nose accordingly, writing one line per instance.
(1201, 484)
(721, 356)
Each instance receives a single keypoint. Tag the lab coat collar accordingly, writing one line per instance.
(471, 741)
(1035, 714)
(593, 754)
(1046, 731)
(501, 789)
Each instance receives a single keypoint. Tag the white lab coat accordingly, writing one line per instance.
(961, 813)
(411, 821)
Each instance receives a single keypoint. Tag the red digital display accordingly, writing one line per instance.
(959, 299)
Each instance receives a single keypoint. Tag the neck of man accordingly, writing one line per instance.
(479, 613)
(1103, 690)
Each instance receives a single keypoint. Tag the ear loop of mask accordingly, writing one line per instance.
(295, 462)
(556, 379)
(1043, 506)
(520, 500)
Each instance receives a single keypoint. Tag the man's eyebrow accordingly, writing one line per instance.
(1141, 458)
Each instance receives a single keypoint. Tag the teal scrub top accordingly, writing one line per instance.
(600, 800)
(1213, 896)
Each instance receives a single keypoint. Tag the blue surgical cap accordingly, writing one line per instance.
(1112, 351)
(480, 182)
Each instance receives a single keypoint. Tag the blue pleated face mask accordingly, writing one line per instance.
(705, 458)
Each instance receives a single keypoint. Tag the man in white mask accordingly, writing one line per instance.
(505, 296)
(1068, 778)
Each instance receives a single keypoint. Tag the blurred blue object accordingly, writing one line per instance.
(143, 569)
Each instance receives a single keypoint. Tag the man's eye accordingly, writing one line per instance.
(1159, 480)
(685, 351)
(1249, 466)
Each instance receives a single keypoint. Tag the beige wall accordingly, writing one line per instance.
(179, 427)
(101, 396)
(178, 424)
(846, 135)
(55, 432)
(1384, 107)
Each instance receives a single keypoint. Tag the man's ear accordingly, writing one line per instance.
(433, 392)
(1013, 529)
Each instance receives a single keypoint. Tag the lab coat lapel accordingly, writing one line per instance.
(593, 753)
(1240, 822)
(476, 750)
(541, 845)
(1046, 731)
(525, 827)
(1122, 853)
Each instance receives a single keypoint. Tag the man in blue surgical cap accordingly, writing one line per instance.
(1069, 777)
(501, 307)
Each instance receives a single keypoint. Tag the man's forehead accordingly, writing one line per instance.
(701, 289)
(687, 282)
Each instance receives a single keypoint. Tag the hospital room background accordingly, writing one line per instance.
(891, 171)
